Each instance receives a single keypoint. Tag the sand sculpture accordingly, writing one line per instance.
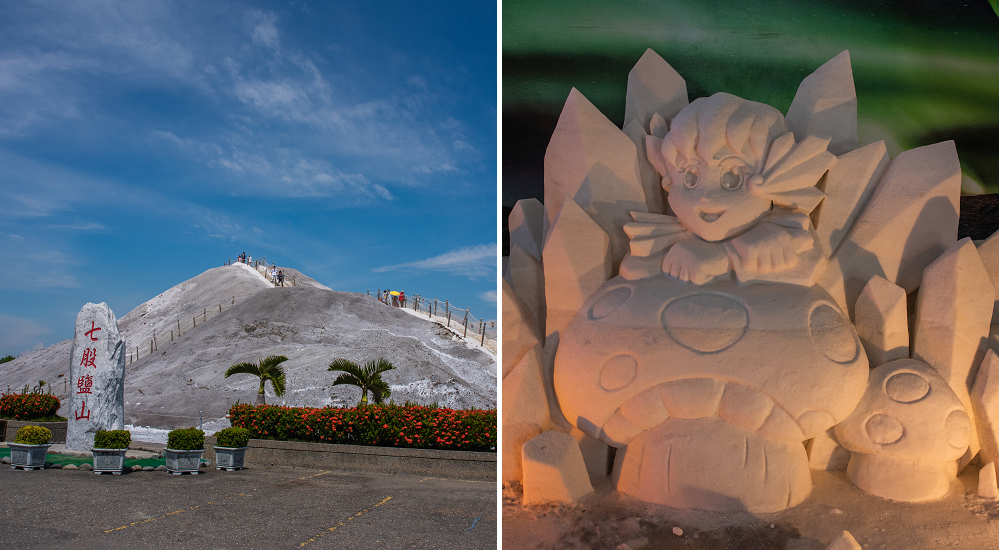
(709, 288)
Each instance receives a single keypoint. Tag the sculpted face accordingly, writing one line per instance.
(711, 197)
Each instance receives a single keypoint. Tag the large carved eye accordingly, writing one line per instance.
(691, 177)
(733, 174)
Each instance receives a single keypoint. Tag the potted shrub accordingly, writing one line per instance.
(231, 448)
(109, 450)
(30, 447)
(183, 452)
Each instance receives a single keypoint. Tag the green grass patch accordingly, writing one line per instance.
(78, 460)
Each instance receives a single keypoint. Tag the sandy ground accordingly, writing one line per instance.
(607, 519)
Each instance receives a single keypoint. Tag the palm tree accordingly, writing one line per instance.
(368, 377)
(269, 368)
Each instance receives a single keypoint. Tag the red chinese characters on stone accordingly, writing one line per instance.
(90, 332)
(89, 356)
(84, 384)
(84, 412)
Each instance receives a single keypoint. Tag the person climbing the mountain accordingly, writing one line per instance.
(274, 274)
(281, 278)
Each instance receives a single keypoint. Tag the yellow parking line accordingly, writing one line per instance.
(462, 480)
(342, 523)
(175, 512)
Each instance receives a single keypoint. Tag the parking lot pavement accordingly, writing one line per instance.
(273, 507)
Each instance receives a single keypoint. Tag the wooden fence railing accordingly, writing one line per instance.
(454, 318)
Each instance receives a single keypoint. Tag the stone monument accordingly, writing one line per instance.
(97, 375)
(707, 271)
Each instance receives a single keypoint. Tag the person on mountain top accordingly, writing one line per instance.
(402, 299)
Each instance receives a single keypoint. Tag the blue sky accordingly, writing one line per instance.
(144, 142)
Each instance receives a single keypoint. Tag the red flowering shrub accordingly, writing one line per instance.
(376, 425)
(28, 406)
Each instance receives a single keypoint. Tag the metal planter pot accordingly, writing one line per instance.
(179, 462)
(27, 457)
(230, 458)
(109, 460)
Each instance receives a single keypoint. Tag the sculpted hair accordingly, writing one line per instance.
(723, 125)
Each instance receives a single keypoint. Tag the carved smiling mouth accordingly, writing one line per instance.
(710, 216)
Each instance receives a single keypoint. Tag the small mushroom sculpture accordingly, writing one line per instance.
(709, 391)
(907, 433)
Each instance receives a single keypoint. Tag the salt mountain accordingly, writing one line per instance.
(310, 324)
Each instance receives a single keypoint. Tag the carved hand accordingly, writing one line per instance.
(695, 260)
(768, 248)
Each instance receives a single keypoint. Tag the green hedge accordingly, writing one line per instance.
(186, 439)
(112, 439)
(28, 406)
(33, 435)
(232, 437)
(377, 425)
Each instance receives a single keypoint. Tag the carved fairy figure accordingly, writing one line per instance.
(741, 190)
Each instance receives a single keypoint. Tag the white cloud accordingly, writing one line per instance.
(470, 261)
(264, 30)
(417, 82)
(171, 137)
(58, 48)
(273, 96)
(488, 296)
(286, 111)
(15, 331)
(36, 262)
(240, 162)
(291, 173)
(81, 227)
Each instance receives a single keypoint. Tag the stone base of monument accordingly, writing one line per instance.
(27, 457)
(230, 458)
(179, 462)
(109, 460)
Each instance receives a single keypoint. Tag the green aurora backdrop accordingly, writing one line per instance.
(925, 71)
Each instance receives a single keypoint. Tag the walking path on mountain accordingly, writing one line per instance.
(310, 324)
(266, 508)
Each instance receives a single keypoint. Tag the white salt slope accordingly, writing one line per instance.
(308, 324)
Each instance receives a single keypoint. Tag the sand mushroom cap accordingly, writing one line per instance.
(908, 411)
(778, 360)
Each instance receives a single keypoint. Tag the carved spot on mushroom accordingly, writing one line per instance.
(884, 429)
(958, 427)
(906, 387)
(610, 302)
(618, 372)
(705, 323)
(832, 335)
